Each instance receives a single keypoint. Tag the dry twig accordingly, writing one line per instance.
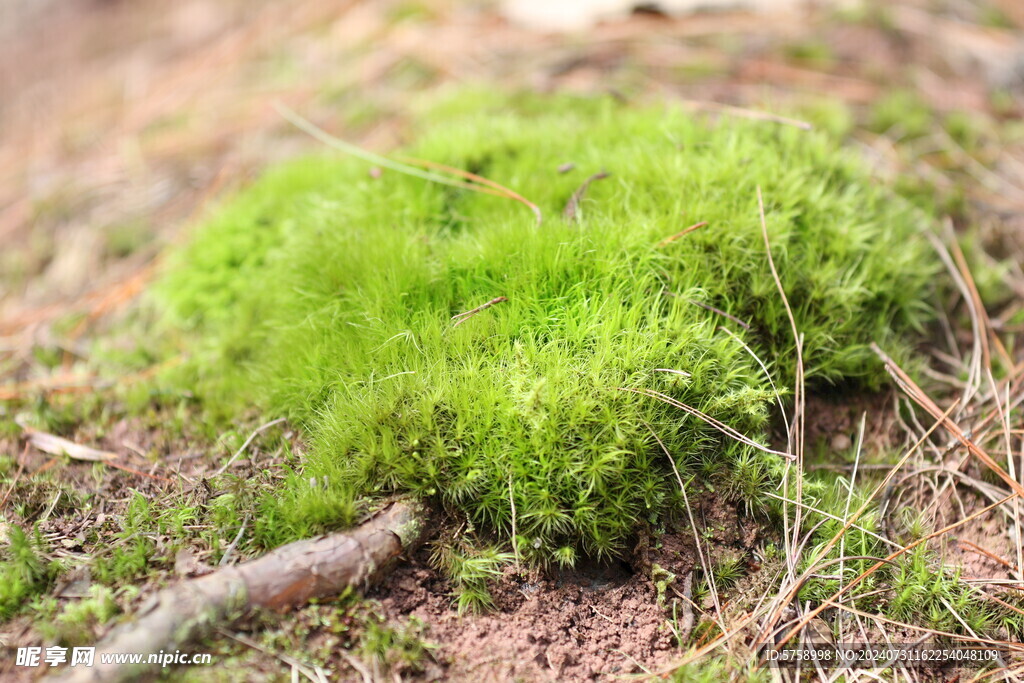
(463, 317)
(288, 576)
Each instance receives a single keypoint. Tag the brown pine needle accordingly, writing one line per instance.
(46, 466)
(496, 188)
(719, 311)
(132, 470)
(68, 383)
(878, 565)
(682, 233)
(64, 383)
(987, 333)
(916, 394)
(964, 543)
(1009, 645)
(849, 524)
(17, 476)
(471, 182)
(120, 294)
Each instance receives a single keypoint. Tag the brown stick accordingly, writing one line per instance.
(463, 317)
(288, 576)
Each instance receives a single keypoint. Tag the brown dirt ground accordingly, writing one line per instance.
(572, 626)
(596, 622)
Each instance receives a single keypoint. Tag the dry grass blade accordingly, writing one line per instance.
(849, 498)
(834, 518)
(924, 629)
(790, 595)
(226, 557)
(719, 311)
(724, 428)
(572, 207)
(704, 563)
(295, 664)
(767, 375)
(988, 333)
(979, 352)
(259, 430)
(919, 397)
(323, 136)
(681, 373)
(477, 184)
(711, 646)
(515, 532)
(498, 189)
(795, 441)
(358, 666)
(682, 233)
(747, 113)
(878, 565)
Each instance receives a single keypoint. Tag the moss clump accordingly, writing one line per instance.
(326, 295)
(24, 571)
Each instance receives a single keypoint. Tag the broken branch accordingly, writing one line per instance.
(463, 317)
(286, 577)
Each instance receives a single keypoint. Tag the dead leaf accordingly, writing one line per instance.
(55, 445)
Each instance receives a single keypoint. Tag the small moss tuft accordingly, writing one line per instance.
(24, 571)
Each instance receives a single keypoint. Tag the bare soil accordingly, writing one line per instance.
(598, 621)
(595, 622)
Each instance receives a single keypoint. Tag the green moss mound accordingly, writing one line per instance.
(326, 295)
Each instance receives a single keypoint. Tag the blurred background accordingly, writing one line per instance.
(120, 120)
